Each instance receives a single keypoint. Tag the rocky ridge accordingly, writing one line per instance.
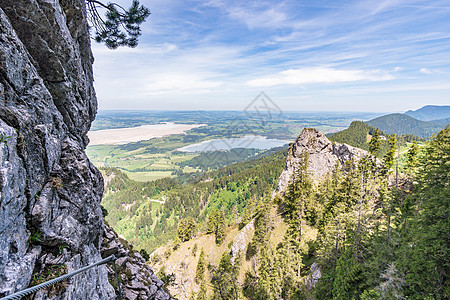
(49, 190)
(323, 155)
(138, 281)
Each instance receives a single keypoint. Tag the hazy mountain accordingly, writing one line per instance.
(442, 122)
(404, 124)
(430, 112)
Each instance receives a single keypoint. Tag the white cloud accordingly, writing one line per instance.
(178, 82)
(319, 75)
(258, 14)
(426, 71)
(195, 51)
(263, 19)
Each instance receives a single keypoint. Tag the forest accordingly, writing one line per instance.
(149, 224)
(381, 235)
(380, 227)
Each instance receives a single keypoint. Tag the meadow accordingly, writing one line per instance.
(154, 155)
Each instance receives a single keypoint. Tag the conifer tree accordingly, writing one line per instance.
(186, 229)
(328, 192)
(269, 283)
(388, 159)
(411, 157)
(350, 186)
(121, 27)
(212, 221)
(220, 228)
(247, 215)
(346, 277)
(375, 143)
(298, 195)
(224, 279)
(427, 253)
(392, 285)
(202, 292)
(216, 224)
(201, 267)
(262, 225)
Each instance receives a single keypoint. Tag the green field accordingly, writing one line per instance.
(157, 158)
(146, 160)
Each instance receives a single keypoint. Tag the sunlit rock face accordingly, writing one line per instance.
(323, 156)
(49, 191)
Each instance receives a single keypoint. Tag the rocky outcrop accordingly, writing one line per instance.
(49, 191)
(138, 280)
(241, 241)
(314, 276)
(323, 155)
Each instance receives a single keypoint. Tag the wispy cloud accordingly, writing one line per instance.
(319, 75)
(179, 82)
(255, 14)
(426, 71)
(194, 51)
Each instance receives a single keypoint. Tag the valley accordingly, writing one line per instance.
(224, 150)
(162, 156)
(242, 214)
(120, 136)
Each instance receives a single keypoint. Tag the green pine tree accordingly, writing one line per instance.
(212, 221)
(186, 229)
(224, 279)
(411, 157)
(121, 26)
(201, 267)
(375, 143)
(427, 257)
(202, 292)
(389, 157)
(216, 224)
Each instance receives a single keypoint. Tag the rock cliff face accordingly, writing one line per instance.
(49, 191)
(138, 280)
(323, 156)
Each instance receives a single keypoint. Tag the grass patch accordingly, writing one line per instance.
(149, 176)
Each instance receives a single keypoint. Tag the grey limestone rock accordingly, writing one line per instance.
(138, 280)
(241, 241)
(314, 276)
(323, 155)
(50, 192)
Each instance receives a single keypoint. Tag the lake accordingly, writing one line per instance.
(248, 142)
(121, 136)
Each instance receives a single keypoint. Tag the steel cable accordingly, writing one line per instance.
(28, 291)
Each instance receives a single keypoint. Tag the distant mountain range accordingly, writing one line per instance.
(405, 124)
(430, 113)
(443, 121)
(423, 122)
(358, 133)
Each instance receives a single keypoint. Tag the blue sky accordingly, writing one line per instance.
(313, 55)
